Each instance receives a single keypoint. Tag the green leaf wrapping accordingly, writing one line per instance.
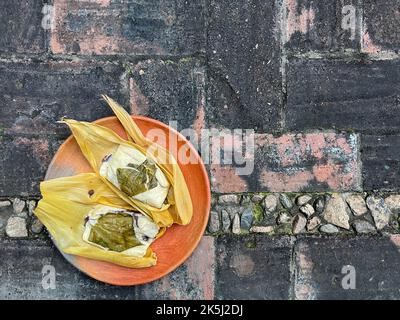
(136, 179)
(114, 231)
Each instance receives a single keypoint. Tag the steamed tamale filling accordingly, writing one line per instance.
(114, 231)
(135, 179)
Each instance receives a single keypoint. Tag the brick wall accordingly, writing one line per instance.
(318, 81)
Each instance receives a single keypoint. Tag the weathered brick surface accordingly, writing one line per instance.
(381, 161)
(23, 164)
(37, 94)
(253, 267)
(193, 280)
(317, 25)
(319, 264)
(382, 21)
(129, 27)
(244, 59)
(169, 91)
(296, 162)
(357, 95)
(21, 275)
(21, 26)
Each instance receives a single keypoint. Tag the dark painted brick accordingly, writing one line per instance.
(23, 164)
(21, 275)
(193, 280)
(244, 57)
(317, 25)
(381, 161)
(319, 264)
(382, 26)
(169, 91)
(21, 26)
(253, 267)
(35, 95)
(319, 161)
(159, 27)
(344, 95)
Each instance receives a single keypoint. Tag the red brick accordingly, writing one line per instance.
(128, 27)
(381, 28)
(21, 26)
(169, 91)
(317, 25)
(35, 95)
(22, 274)
(296, 162)
(23, 164)
(193, 280)
(244, 59)
(320, 261)
(253, 267)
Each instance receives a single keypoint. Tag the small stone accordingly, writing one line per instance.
(302, 200)
(16, 227)
(283, 218)
(336, 212)
(329, 228)
(226, 221)
(214, 223)
(236, 224)
(307, 209)
(229, 199)
(313, 223)
(257, 198)
(380, 211)
(299, 224)
(285, 201)
(245, 200)
(259, 229)
(393, 203)
(36, 226)
(319, 205)
(31, 206)
(233, 209)
(247, 219)
(363, 227)
(4, 203)
(18, 205)
(357, 204)
(23, 214)
(270, 203)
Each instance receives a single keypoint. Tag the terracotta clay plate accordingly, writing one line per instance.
(179, 242)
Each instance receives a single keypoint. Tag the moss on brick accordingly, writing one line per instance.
(258, 212)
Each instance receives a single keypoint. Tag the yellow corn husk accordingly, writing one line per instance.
(182, 209)
(66, 203)
(96, 142)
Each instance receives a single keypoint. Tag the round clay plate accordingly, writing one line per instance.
(179, 242)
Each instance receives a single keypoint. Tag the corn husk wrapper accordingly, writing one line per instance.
(97, 143)
(64, 208)
(181, 204)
